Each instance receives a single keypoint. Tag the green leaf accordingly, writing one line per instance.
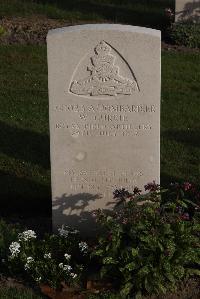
(98, 252)
(148, 285)
(182, 204)
(193, 272)
(130, 266)
(134, 252)
(138, 295)
(191, 203)
(103, 271)
(160, 246)
(109, 261)
(143, 271)
(162, 288)
(126, 289)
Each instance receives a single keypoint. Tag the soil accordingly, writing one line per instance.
(9, 282)
(33, 31)
(188, 290)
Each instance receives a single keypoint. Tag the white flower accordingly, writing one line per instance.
(38, 279)
(73, 275)
(75, 231)
(63, 232)
(29, 261)
(47, 255)
(27, 235)
(14, 249)
(67, 256)
(83, 246)
(67, 268)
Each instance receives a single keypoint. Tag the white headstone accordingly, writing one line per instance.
(187, 10)
(104, 105)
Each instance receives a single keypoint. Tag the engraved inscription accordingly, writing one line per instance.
(106, 108)
(102, 130)
(104, 120)
(104, 78)
(92, 179)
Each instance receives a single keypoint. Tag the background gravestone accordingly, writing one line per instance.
(187, 10)
(104, 105)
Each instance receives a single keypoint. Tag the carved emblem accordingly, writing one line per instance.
(104, 78)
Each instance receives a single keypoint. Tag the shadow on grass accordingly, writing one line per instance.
(188, 137)
(22, 196)
(135, 12)
(25, 145)
(166, 179)
(186, 159)
(19, 194)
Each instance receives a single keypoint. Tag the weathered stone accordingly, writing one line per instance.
(104, 104)
(187, 10)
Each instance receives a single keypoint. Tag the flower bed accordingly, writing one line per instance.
(148, 245)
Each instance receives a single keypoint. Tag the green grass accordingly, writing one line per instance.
(24, 134)
(15, 293)
(148, 13)
(24, 153)
(180, 128)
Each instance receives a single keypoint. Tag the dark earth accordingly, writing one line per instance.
(33, 31)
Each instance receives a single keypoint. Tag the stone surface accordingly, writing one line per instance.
(187, 10)
(104, 105)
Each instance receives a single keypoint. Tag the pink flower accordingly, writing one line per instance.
(125, 221)
(185, 216)
(187, 186)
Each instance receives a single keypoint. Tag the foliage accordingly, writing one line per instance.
(2, 31)
(53, 260)
(151, 242)
(185, 34)
(8, 234)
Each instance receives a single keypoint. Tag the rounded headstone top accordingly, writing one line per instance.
(117, 27)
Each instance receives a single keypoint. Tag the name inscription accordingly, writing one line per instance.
(104, 120)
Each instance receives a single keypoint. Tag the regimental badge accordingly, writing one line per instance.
(104, 78)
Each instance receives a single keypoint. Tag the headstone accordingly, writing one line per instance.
(187, 10)
(104, 105)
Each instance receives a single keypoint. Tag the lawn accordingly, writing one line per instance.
(24, 134)
(180, 114)
(149, 13)
(16, 293)
(25, 174)
(25, 186)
